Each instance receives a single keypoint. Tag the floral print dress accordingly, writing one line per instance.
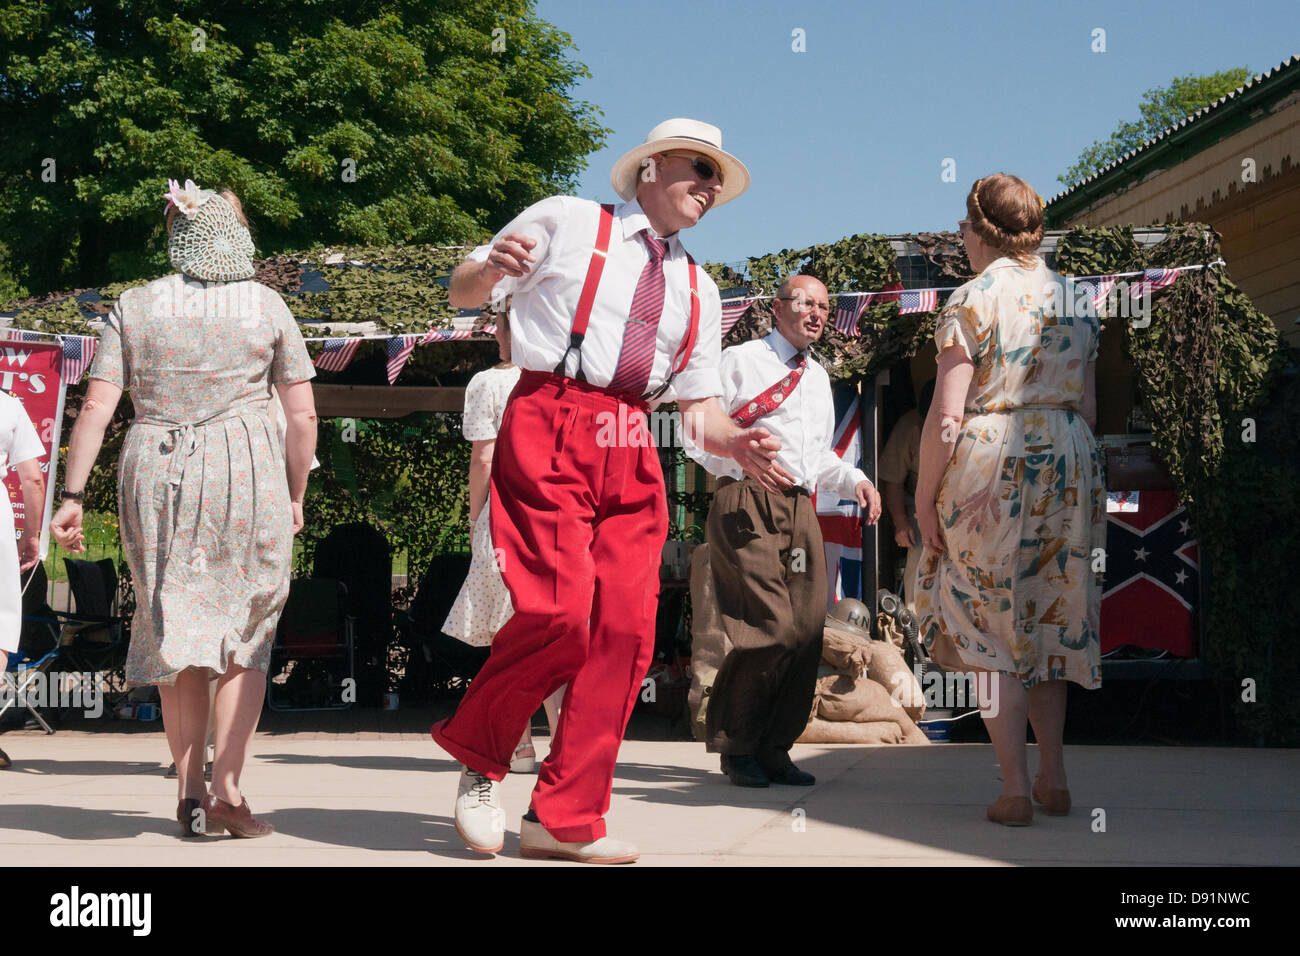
(203, 495)
(1022, 502)
(483, 605)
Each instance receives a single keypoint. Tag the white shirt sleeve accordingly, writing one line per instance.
(700, 378)
(21, 443)
(542, 221)
(716, 465)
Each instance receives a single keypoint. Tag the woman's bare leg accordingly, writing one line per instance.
(1047, 715)
(552, 705)
(185, 719)
(1007, 731)
(240, 692)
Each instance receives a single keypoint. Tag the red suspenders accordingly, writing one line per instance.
(588, 297)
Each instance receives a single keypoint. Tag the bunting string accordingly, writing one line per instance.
(339, 351)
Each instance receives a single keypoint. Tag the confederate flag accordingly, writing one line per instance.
(1152, 578)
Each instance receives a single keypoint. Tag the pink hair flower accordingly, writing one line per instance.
(188, 199)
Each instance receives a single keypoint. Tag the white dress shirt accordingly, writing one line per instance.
(804, 422)
(546, 298)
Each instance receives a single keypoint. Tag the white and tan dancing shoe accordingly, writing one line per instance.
(480, 821)
(536, 843)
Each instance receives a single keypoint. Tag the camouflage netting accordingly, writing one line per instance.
(1222, 391)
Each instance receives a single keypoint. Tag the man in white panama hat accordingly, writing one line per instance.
(610, 314)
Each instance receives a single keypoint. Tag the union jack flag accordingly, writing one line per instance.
(923, 300)
(337, 354)
(1153, 279)
(732, 310)
(841, 519)
(78, 350)
(399, 350)
(849, 307)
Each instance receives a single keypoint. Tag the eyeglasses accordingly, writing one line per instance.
(802, 304)
(703, 168)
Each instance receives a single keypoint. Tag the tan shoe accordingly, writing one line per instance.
(1054, 802)
(536, 843)
(1012, 811)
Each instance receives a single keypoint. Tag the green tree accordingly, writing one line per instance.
(1160, 108)
(425, 121)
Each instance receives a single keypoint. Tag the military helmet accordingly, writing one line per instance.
(852, 616)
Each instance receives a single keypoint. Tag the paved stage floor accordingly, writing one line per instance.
(374, 798)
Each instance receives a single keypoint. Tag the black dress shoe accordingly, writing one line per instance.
(744, 770)
(4, 760)
(780, 770)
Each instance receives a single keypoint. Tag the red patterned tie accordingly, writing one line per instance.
(637, 355)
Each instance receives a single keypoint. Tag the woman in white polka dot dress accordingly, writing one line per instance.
(483, 605)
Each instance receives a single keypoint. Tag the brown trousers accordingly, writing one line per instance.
(769, 574)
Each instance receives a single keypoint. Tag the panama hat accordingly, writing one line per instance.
(685, 134)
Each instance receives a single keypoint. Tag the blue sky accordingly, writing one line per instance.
(850, 136)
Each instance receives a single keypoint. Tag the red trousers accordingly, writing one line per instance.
(579, 519)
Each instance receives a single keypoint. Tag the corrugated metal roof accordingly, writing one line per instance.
(1287, 64)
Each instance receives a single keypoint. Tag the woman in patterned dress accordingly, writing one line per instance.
(483, 605)
(1010, 499)
(207, 510)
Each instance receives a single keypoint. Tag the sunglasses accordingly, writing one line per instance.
(703, 168)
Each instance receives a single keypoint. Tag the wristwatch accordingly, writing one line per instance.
(67, 495)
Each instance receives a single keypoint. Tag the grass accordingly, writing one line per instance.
(102, 541)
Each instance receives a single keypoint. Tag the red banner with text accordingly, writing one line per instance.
(30, 372)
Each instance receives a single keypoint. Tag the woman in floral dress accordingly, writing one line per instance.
(1010, 499)
(208, 502)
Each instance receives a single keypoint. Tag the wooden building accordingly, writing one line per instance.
(1234, 165)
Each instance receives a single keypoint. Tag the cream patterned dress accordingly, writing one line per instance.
(1022, 502)
(483, 604)
(203, 495)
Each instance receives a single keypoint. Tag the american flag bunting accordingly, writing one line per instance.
(337, 354)
(78, 350)
(732, 310)
(921, 300)
(1152, 279)
(849, 307)
(399, 349)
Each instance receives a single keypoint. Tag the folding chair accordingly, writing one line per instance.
(316, 635)
(358, 555)
(435, 660)
(38, 647)
(93, 636)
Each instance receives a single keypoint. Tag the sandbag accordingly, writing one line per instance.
(821, 731)
(841, 697)
(709, 643)
(844, 651)
(888, 670)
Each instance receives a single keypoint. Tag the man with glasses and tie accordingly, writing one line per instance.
(609, 314)
(765, 546)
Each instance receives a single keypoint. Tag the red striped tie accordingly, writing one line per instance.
(637, 355)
